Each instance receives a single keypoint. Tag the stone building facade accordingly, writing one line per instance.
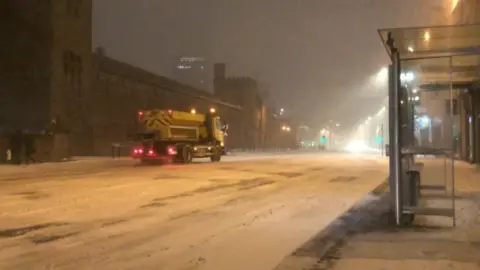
(45, 72)
(260, 127)
(48, 73)
(245, 92)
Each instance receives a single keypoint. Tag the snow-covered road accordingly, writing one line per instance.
(248, 213)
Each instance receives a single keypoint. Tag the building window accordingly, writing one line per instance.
(73, 70)
(73, 8)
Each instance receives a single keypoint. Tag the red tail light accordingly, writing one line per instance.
(171, 150)
(137, 151)
(151, 153)
(170, 111)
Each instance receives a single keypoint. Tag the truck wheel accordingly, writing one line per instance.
(187, 154)
(215, 157)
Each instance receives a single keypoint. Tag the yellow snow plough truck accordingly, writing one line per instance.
(175, 136)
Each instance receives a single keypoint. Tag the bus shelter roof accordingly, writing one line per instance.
(438, 55)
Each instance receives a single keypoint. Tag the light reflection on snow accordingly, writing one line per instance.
(356, 146)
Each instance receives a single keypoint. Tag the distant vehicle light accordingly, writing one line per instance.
(137, 151)
(212, 110)
(193, 111)
(170, 111)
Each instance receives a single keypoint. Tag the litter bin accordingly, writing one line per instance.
(116, 150)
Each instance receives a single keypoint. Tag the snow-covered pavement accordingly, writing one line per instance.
(248, 213)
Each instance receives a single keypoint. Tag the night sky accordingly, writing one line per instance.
(315, 55)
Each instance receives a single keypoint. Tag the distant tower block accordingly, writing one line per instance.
(220, 70)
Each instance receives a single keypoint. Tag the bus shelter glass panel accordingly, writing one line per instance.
(430, 122)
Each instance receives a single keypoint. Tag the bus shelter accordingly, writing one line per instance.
(432, 69)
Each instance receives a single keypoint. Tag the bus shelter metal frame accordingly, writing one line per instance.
(404, 44)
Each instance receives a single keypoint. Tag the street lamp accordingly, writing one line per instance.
(426, 36)
(286, 128)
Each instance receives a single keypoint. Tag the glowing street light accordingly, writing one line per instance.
(426, 36)
(414, 90)
(410, 49)
(286, 128)
(407, 77)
